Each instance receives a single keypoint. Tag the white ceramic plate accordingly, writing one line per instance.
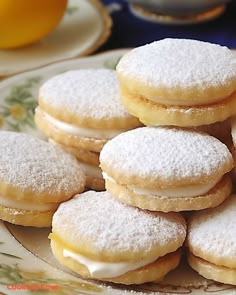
(25, 256)
(85, 26)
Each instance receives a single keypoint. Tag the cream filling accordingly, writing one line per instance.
(193, 190)
(98, 269)
(81, 131)
(91, 170)
(28, 206)
(189, 102)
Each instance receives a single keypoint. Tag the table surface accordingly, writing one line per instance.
(130, 31)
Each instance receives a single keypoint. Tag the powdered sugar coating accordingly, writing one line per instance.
(113, 226)
(91, 93)
(213, 231)
(180, 63)
(30, 164)
(166, 154)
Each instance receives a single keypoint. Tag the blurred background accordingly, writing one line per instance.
(130, 31)
(36, 33)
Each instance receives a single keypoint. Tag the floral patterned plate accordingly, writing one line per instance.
(26, 262)
(85, 26)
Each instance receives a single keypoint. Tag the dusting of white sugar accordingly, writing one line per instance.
(30, 164)
(166, 153)
(110, 225)
(214, 230)
(87, 93)
(175, 62)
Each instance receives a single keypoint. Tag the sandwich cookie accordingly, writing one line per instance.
(179, 82)
(212, 242)
(35, 177)
(106, 240)
(82, 110)
(167, 169)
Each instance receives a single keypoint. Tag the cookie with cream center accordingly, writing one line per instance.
(129, 246)
(83, 106)
(35, 177)
(179, 82)
(212, 242)
(167, 169)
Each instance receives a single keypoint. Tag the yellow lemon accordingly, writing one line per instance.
(23, 22)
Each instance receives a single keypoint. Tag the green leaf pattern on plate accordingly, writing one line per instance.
(9, 255)
(17, 110)
(14, 275)
(17, 107)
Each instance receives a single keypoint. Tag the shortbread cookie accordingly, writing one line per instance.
(167, 169)
(35, 177)
(212, 242)
(179, 82)
(108, 241)
(82, 109)
(89, 162)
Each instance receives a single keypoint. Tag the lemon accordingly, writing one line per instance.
(23, 22)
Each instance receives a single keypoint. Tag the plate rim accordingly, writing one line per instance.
(7, 80)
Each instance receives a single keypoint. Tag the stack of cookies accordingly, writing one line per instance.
(185, 86)
(178, 84)
(81, 110)
(133, 233)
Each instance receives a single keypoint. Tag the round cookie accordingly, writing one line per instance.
(35, 177)
(179, 82)
(167, 169)
(212, 242)
(106, 240)
(82, 110)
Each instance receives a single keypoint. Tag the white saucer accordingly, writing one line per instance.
(85, 26)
